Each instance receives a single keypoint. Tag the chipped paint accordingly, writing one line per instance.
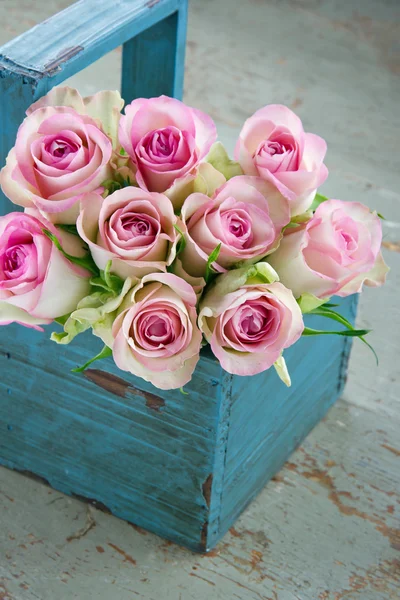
(118, 386)
(206, 489)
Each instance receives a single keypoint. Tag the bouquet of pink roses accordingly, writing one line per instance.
(140, 228)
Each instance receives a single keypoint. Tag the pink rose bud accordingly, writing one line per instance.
(334, 253)
(165, 139)
(156, 336)
(37, 284)
(274, 145)
(246, 216)
(59, 155)
(132, 227)
(248, 321)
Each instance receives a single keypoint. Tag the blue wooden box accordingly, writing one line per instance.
(183, 466)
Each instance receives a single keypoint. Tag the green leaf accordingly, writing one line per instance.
(324, 311)
(319, 199)
(210, 271)
(86, 262)
(111, 185)
(127, 182)
(329, 305)
(182, 391)
(347, 332)
(219, 159)
(381, 216)
(182, 242)
(330, 314)
(68, 228)
(123, 152)
(105, 353)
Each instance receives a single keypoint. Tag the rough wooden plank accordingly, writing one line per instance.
(142, 453)
(153, 61)
(268, 421)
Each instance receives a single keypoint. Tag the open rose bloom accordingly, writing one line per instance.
(274, 145)
(139, 227)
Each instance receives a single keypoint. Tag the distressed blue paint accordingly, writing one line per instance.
(153, 34)
(184, 468)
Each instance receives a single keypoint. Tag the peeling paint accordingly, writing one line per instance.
(64, 56)
(206, 489)
(120, 387)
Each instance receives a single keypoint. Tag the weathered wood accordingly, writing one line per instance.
(183, 466)
(310, 534)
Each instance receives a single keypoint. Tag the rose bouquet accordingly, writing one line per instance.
(139, 227)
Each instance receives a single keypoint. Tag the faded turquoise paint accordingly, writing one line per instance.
(183, 466)
(153, 35)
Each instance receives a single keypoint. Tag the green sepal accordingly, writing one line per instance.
(308, 302)
(319, 199)
(210, 271)
(219, 159)
(105, 353)
(62, 320)
(182, 242)
(111, 185)
(68, 228)
(86, 262)
(108, 281)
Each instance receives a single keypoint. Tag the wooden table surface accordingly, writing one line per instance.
(327, 526)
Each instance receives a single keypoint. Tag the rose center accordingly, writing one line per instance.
(162, 143)
(156, 330)
(237, 225)
(137, 225)
(60, 148)
(273, 148)
(349, 242)
(254, 322)
(14, 258)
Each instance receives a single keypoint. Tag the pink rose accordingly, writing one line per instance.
(165, 139)
(248, 321)
(156, 336)
(132, 228)
(246, 216)
(334, 253)
(273, 145)
(37, 284)
(59, 155)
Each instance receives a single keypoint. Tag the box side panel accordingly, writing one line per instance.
(142, 452)
(268, 420)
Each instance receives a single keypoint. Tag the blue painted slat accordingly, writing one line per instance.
(268, 421)
(153, 61)
(56, 49)
(181, 466)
